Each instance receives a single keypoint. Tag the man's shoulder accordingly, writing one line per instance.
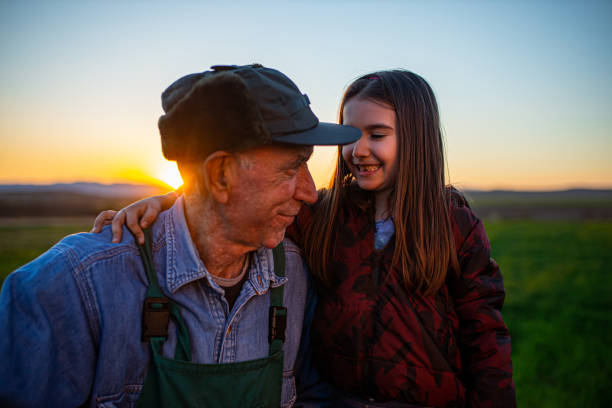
(87, 247)
(291, 248)
(295, 264)
(87, 250)
(71, 256)
(294, 258)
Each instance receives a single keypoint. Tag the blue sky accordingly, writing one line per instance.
(525, 88)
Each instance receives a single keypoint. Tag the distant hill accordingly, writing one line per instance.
(106, 190)
(572, 204)
(76, 199)
(577, 195)
(71, 199)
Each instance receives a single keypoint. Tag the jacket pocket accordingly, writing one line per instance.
(127, 398)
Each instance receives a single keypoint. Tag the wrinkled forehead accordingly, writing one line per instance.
(280, 151)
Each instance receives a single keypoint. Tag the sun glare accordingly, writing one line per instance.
(169, 174)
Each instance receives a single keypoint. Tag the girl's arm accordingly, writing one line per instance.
(136, 216)
(478, 294)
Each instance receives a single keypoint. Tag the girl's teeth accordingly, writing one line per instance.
(368, 168)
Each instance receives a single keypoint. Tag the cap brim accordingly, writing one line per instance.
(322, 134)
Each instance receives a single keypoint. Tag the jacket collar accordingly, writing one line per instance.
(362, 199)
(183, 263)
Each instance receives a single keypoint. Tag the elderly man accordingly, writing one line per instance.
(205, 313)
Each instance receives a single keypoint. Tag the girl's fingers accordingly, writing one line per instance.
(169, 199)
(136, 216)
(104, 218)
(132, 218)
(117, 226)
(149, 216)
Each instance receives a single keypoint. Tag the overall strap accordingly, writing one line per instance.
(146, 253)
(278, 314)
(158, 308)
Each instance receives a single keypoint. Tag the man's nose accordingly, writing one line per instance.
(305, 190)
(361, 148)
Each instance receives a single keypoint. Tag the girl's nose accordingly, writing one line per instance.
(361, 147)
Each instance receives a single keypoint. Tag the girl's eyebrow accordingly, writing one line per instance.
(378, 126)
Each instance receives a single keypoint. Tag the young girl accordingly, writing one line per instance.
(409, 298)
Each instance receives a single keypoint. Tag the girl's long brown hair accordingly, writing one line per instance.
(419, 202)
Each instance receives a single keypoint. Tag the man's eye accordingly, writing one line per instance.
(294, 169)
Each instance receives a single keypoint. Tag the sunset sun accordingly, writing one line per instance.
(169, 174)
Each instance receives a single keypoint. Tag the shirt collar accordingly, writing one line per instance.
(184, 265)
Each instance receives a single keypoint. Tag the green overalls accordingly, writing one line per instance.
(180, 383)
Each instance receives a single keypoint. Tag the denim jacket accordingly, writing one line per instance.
(70, 321)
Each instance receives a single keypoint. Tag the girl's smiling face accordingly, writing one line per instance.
(373, 158)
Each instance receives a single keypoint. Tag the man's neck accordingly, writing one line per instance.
(222, 257)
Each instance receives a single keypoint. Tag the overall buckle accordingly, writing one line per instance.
(277, 323)
(155, 317)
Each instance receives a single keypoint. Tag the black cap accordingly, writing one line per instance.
(240, 107)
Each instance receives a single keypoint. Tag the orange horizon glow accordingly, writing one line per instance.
(163, 173)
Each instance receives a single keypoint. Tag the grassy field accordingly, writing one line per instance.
(558, 278)
(23, 239)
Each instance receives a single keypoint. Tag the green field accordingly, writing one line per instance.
(23, 239)
(558, 278)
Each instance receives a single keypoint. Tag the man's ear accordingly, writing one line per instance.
(217, 168)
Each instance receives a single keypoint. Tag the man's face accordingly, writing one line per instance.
(272, 183)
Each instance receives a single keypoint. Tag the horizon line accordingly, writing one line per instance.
(162, 185)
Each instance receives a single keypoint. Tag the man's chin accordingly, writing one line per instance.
(272, 242)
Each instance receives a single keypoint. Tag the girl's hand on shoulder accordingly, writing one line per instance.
(136, 216)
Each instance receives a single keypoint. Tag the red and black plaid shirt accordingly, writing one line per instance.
(374, 339)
